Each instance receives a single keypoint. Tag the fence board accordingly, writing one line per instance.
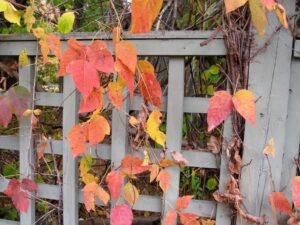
(174, 126)
(271, 83)
(70, 169)
(26, 156)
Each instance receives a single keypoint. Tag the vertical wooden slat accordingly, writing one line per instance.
(25, 142)
(70, 170)
(269, 79)
(174, 125)
(224, 211)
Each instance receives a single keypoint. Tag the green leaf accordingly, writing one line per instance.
(10, 170)
(211, 184)
(66, 22)
(214, 69)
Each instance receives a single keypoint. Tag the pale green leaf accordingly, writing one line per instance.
(66, 22)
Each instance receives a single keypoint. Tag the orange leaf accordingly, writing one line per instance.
(90, 192)
(220, 106)
(131, 193)
(164, 178)
(45, 50)
(154, 170)
(270, 149)
(148, 84)
(170, 218)
(189, 219)
(126, 75)
(98, 127)
(183, 202)
(54, 44)
(281, 14)
(92, 102)
(126, 52)
(133, 165)
(208, 222)
(279, 201)
(116, 35)
(114, 180)
(77, 137)
(244, 103)
(296, 191)
(115, 94)
(143, 14)
(269, 4)
(232, 5)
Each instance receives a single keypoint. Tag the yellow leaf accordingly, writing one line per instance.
(37, 112)
(38, 32)
(131, 193)
(146, 159)
(258, 16)
(11, 14)
(270, 149)
(153, 124)
(23, 58)
(208, 222)
(133, 121)
(232, 5)
(281, 14)
(29, 18)
(3, 5)
(27, 112)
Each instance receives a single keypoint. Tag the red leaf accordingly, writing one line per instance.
(183, 202)
(19, 98)
(164, 178)
(101, 58)
(296, 191)
(98, 127)
(13, 187)
(28, 185)
(133, 165)
(90, 192)
(170, 218)
(244, 103)
(188, 218)
(20, 201)
(121, 215)
(77, 137)
(149, 86)
(143, 14)
(92, 102)
(114, 181)
(126, 75)
(127, 54)
(85, 76)
(220, 106)
(115, 94)
(5, 115)
(279, 201)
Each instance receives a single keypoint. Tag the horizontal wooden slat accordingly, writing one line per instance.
(8, 222)
(49, 99)
(9, 142)
(200, 159)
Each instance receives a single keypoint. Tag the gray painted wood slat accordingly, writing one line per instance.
(8, 222)
(292, 137)
(70, 168)
(27, 153)
(174, 126)
(224, 211)
(269, 79)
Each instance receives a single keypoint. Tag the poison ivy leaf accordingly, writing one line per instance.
(98, 127)
(258, 16)
(45, 51)
(296, 191)
(179, 159)
(77, 138)
(269, 4)
(148, 84)
(281, 14)
(170, 218)
(154, 171)
(23, 58)
(12, 188)
(143, 14)
(29, 18)
(92, 102)
(115, 94)
(85, 164)
(54, 44)
(183, 202)
(153, 124)
(20, 201)
(164, 178)
(208, 222)
(121, 215)
(114, 180)
(133, 165)
(28, 185)
(244, 103)
(232, 5)
(19, 98)
(6, 114)
(212, 184)
(270, 149)
(11, 14)
(126, 75)
(189, 219)
(3, 5)
(220, 106)
(38, 32)
(131, 193)
(66, 22)
(279, 201)
(90, 192)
